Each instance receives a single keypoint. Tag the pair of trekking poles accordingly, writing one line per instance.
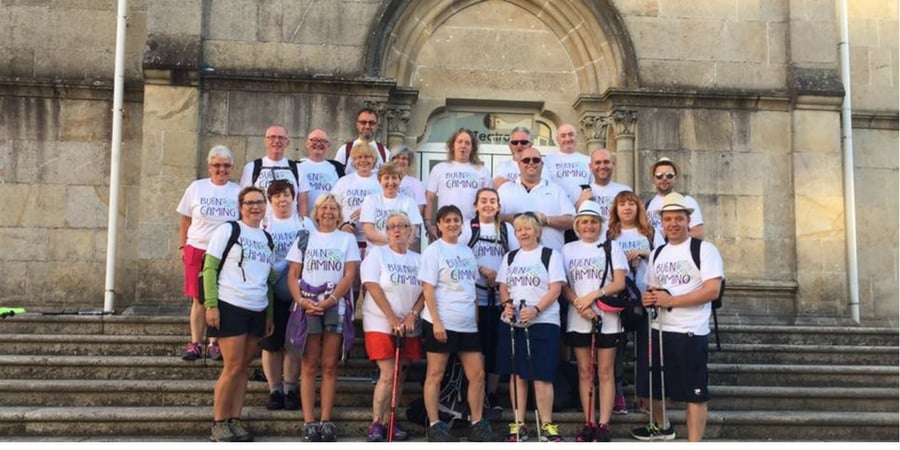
(512, 334)
(652, 314)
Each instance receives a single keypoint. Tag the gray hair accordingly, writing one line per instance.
(522, 130)
(404, 150)
(220, 151)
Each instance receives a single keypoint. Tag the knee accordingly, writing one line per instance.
(329, 370)
(477, 377)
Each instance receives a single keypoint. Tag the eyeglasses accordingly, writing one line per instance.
(370, 123)
(252, 203)
(220, 166)
(276, 138)
(317, 141)
(531, 160)
(399, 226)
(666, 175)
(522, 142)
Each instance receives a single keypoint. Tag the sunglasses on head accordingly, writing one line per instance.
(528, 214)
(666, 175)
(531, 160)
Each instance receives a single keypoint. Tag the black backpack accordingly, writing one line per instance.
(546, 252)
(475, 225)
(633, 314)
(257, 169)
(232, 239)
(717, 303)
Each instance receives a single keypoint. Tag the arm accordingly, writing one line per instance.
(430, 228)
(498, 181)
(563, 222)
(183, 230)
(529, 313)
(708, 292)
(440, 334)
(303, 204)
(211, 289)
(374, 289)
(374, 235)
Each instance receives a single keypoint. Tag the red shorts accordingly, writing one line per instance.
(193, 261)
(381, 346)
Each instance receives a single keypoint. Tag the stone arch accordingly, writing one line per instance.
(592, 32)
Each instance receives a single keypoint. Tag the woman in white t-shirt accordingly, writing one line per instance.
(448, 273)
(206, 204)
(403, 158)
(319, 278)
(586, 265)
(530, 280)
(376, 207)
(391, 310)
(455, 181)
(238, 301)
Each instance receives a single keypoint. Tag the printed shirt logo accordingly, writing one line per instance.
(587, 268)
(675, 273)
(255, 250)
(462, 180)
(215, 207)
(525, 276)
(402, 274)
(323, 259)
(462, 269)
(570, 170)
(320, 181)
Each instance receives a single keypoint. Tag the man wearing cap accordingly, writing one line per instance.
(664, 174)
(603, 188)
(681, 294)
(544, 198)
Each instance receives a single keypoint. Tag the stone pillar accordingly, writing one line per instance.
(624, 122)
(396, 120)
(594, 129)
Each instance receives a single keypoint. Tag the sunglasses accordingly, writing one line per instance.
(370, 123)
(667, 175)
(531, 160)
(522, 142)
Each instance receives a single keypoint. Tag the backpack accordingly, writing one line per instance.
(717, 303)
(475, 224)
(349, 145)
(232, 239)
(546, 252)
(257, 169)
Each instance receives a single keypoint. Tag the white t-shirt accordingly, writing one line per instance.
(397, 274)
(456, 183)
(412, 187)
(452, 270)
(208, 206)
(604, 196)
(350, 192)
(284, 233)
(528, 279)
(488, 251)
(244, 286)
(509, 170)
(271, 171)
(569, 171)
(376, 208)
(631, 239)
(319, 176)
(325, 256)
(343, 156)
(674, 270)
(546, 198)
(656, 204)
(585, 263)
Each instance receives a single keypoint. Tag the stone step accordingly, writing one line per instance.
(807, 335)
(351, 423)
(169, 368)
(358, 393)
(169, 345)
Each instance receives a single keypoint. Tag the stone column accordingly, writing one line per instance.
(594, 129)
(624, 122)
(396, 120)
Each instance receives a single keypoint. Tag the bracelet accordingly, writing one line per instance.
(537, 309)
(332, 297)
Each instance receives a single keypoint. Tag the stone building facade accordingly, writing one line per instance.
(744, 95)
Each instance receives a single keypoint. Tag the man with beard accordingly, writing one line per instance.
(366, 126)
(664, 174)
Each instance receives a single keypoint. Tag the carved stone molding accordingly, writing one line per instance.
(396, 119)
(624, 122)
(594, 128)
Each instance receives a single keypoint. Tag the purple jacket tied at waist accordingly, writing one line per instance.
(297, 327)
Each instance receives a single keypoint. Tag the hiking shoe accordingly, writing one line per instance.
(327, 432)
(375, 432)
(481, 432)
(601, 433)
(192, 352)
(653, 432)
(276, 401)
(399, 433)
(292, 401)
(221, 432)
(550, 433)
(311, 432)
(241, 433)
(440, 432)
(619, 407)
(517, 428)
(214, 352)
(586, 434)
(494, 402)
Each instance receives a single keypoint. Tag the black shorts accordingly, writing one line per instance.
(237, 321)
(686, 356)
(583, 340)
(456, 342)
(488, 320)
(275, 342)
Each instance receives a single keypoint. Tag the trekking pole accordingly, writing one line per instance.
(594, 330)
(662, 375)
(652, 315)
(537, 416)
(515, 381)
(398, 342)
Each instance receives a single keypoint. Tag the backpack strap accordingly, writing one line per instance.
(347, 148)
(546, 253)
(607, 250)
(504, 236)
(271, 241)
(338, 167)
(232, 239)
(695, 251)
(293, 166)
(656, 253)
(257, 168)
(511, 256)
(382, 151)
(475, 226)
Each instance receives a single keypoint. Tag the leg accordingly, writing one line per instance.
(518, 387)
(434, 373)
(543, 396)
(605, 362)
(473, 365)
(309, 367)
(273, 365)
(583, 358)
(229, 383)
(331, 354)
(240, 393)
(198, 320)
(291, 368)
(695, 417)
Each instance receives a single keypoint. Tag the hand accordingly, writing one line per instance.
(588, 314)
(509, 312)
(490, 276)
(313, 309)
(583, 304)
(212, 317)
(440, 334)
(527, 314)
(432, 232)
(634, 257)
(355, 216)
(409, 324)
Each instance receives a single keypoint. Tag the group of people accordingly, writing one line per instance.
(510, 279)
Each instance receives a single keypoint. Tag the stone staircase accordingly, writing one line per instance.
(120, 377)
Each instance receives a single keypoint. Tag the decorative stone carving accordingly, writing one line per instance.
(594, 128)
(624, 122)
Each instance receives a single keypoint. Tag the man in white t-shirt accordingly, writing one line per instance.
(680, 293)
(532, 193)
(519, 141)
(603, 188)
(367, 127)
(664, 174)
(319, 174)
(275, 166)
(569, 169)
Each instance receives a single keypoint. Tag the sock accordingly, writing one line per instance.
(435, 422)
(275, 388)
(290, 387)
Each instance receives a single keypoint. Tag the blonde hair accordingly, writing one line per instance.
(324, 197)
(529, 218)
